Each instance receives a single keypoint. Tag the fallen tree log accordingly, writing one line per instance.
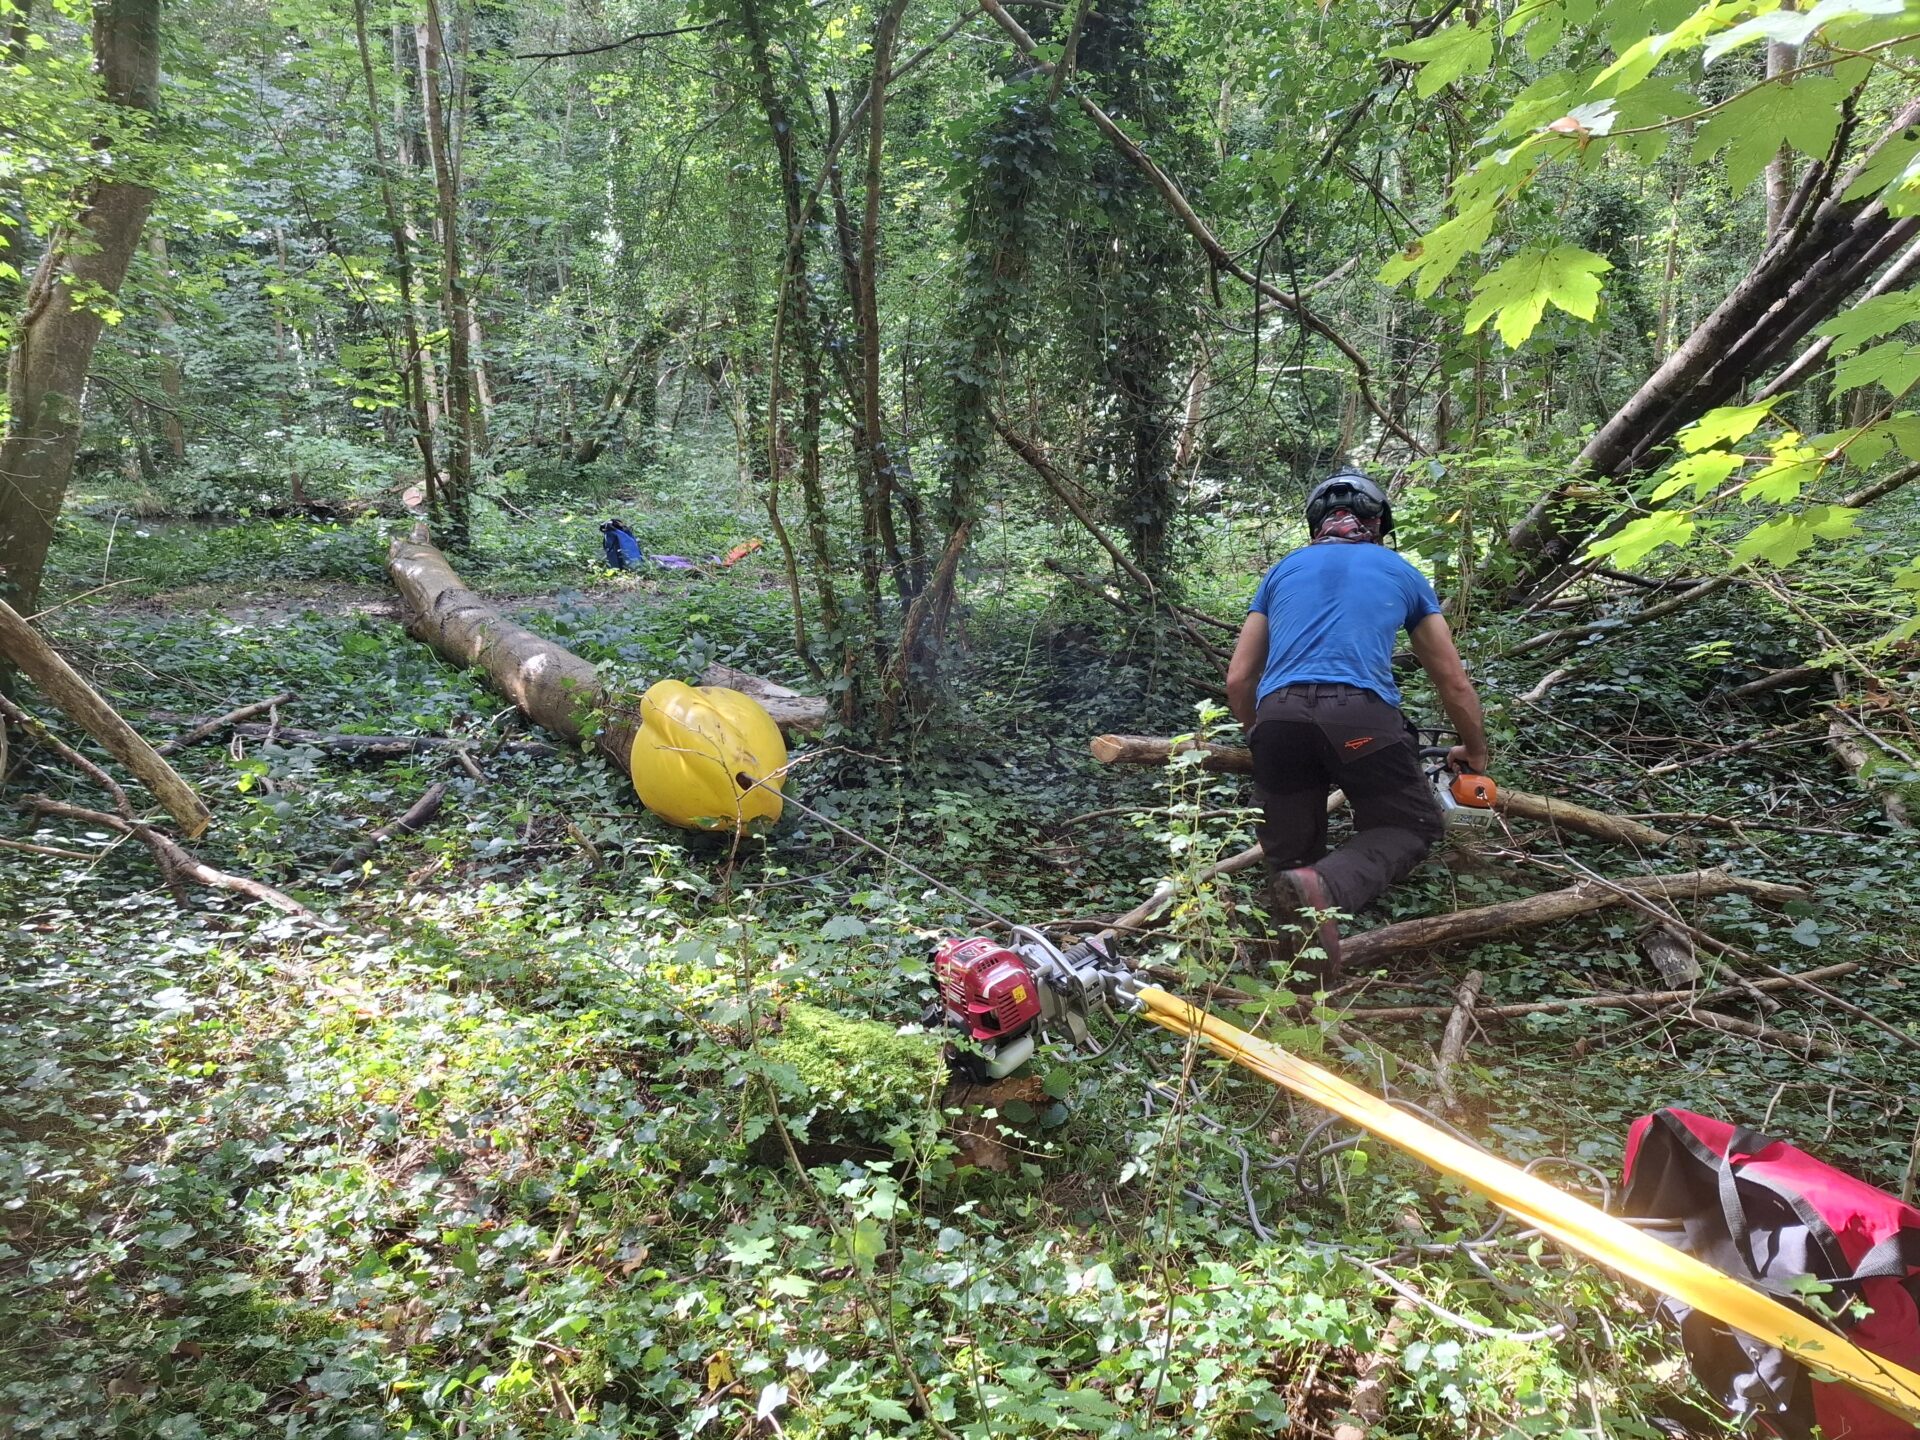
(1488, 922)
(24, 647)
(548, 683)
(1516, 804)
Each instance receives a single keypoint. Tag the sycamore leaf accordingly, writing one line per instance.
(1783, 540)
(1637, 539)
(1636, 62)
(1893, 364)
(1870, 446)
(1520, 290)
(1890, 163)
(1446, 56)
(1724, 426)
(1792, 27)
(1752, 127)
(1436, 255)
(1703, 472)
(1785, 476)
(1871, 319)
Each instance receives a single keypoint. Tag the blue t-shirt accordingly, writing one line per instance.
(1333, 612)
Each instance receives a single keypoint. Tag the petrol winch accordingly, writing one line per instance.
(1003, 997)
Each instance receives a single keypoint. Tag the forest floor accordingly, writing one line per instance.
(492, 1155)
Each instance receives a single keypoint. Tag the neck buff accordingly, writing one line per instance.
(1345, 525)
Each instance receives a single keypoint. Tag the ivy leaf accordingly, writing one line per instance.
(1752, 127)
(1724, 425)
(1783, 540)
(1520, 290)
(1638, 539)
(1894, 364)
(1446, 56)
(1870, 319)
(1703, 472)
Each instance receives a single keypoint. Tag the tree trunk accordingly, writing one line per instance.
(456, 497)
(53, 342)
(412, 365)
(797, 312)
(172, 429)
(1780, 59)
(13, 204)
(1828, 249)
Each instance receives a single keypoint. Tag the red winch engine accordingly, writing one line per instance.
(1000, 996)
(988, 989)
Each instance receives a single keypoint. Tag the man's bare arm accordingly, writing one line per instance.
(1245, 668)
(1433, 647)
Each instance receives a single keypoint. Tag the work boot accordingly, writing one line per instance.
(1293, 891)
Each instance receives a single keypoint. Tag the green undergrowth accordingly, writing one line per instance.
(503, 1150)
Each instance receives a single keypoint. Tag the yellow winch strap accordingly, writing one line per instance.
(1573, 1222)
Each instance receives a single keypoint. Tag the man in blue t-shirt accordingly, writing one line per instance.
(1312, 681)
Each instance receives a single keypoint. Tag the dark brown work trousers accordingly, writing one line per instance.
(1310, 739)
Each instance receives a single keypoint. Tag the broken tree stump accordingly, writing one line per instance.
(1516, 804)
(24, 647)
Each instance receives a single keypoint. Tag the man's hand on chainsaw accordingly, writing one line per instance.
(1459, 759)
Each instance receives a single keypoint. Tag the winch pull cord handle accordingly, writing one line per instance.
(1573, 1222)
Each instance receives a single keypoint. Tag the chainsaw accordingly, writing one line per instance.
(1464, 796)
(1004, 998)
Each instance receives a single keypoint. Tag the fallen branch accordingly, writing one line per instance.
(1547, 682)
(418, 814)
(1453, 1043)
(1516, 804)
(1057, 483)
(1857, 500)
(1778, 680)
(390, 747)
(23, 646)
(1655, 999)
(220, 722)
(1486, 922)
(1721, 751)
(176, 862)
(1854, 757)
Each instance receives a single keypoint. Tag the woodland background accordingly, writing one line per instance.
(1018, 335)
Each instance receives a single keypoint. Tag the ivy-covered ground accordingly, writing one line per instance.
(500, 1153)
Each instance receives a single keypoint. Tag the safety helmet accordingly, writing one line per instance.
(1349, 489)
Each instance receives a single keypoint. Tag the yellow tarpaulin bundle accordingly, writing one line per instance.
(1573, 1222)
(708, 759)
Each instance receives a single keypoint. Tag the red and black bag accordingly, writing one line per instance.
(1764, 1212)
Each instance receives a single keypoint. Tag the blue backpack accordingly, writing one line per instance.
(621, 545)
